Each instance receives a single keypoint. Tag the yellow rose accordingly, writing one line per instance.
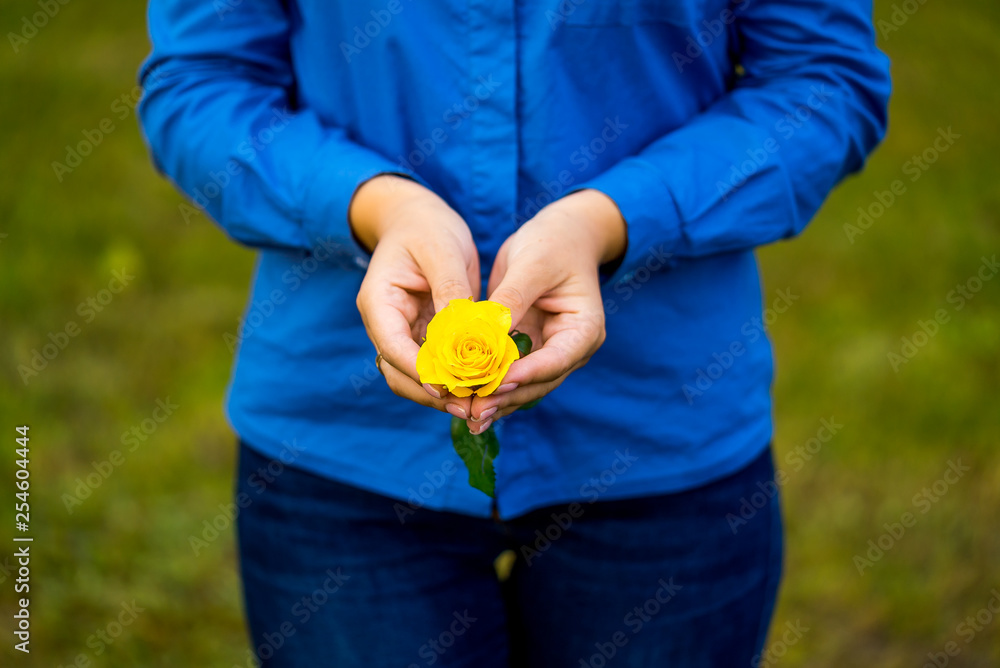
(467, 348)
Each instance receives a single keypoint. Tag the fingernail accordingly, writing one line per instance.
(485, 414)
(457, 411)
(506, 387)
(483, 426)
(431, 391)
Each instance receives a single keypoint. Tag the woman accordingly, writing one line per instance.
(603, 169)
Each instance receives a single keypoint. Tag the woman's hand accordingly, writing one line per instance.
(423, 257)
(547, 274)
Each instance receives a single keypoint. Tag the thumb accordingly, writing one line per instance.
(451, 278)
(519, 287)
(499, 268)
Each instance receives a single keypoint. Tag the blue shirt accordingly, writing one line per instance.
(715, 126)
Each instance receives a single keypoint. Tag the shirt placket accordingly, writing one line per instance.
(494, 151)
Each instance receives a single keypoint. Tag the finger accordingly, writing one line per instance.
(436, 391)
(449, 275)
(404, 386)
(574, 340)
(521, 285)
(495, 407)
(499, 268)
(562, 352)
(390, 332)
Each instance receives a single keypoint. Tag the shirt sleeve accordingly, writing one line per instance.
(756, 165)
(219, 118)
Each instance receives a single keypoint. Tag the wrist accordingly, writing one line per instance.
(372, 209)
(603, 220)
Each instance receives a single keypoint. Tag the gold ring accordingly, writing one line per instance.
(378, 364)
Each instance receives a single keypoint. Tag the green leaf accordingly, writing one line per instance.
(479, 450)
(523, 342)
(478, 453)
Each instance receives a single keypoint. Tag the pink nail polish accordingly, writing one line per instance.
(487, 413)
(483, 426)
(457, 411)
(506, 387)
(431, 391)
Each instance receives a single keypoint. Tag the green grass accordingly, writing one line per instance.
(162, 337)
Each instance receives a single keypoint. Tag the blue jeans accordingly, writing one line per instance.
(333, 577)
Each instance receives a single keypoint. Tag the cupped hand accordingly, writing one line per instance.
(547, 274)
(423, 257)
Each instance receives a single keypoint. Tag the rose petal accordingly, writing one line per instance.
(467, 346)
(510, 356)
(425, 366)
(460, 391)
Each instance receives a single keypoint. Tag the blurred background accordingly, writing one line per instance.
(116, 301)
